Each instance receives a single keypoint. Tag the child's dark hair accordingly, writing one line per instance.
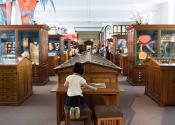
(78, 68)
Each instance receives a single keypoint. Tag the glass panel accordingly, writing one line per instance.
(7, 42)
(114, 29)
(119, 29)
(65, 45)
(167, 43)
(123, 29)
(9, 61)
(108, 32)
(121, 46)
(28, 45)
(54, 45)
(146, 45)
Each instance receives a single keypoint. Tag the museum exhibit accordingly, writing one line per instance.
(87, 62)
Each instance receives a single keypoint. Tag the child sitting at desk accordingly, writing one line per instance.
(74, 83)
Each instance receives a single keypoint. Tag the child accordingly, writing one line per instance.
(74, 83)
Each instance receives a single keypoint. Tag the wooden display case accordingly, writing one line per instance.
(160, 80)
(146, 41)
(15, 80)
(124, 64)
(120, 45)
(31, 41)
(54, 44)
(53, 62)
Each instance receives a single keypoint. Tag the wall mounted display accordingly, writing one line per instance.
(145, 41)
(30, 41)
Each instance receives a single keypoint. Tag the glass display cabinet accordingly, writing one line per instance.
(28, 45)
(54, 44)
(55, 48)
(120, 47)
(145, 41)
(30, 41)
(7, 41)
(167, 46)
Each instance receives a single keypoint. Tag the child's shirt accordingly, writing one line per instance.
(74, 85)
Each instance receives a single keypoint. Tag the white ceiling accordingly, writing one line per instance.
(92, 13)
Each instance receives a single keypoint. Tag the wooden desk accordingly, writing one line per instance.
(103, 96)
(96, 70)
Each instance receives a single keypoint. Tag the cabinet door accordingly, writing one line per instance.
(28, 45)
(146, 42)
(167, 44)
(170, 98)
(7, 43)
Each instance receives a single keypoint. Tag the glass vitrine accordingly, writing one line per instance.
(28, 45)
(54, 45)
(167, 47)
(146, 45)
(7, 41)
(121, 46)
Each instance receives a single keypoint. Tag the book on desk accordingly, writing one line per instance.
(98, 85)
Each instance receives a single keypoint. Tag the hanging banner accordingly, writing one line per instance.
(72, 36)
(3, 13)
(16, 14)
(27, 8)
(6, 8)
(8, 11)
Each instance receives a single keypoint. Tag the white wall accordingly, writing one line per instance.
(160, 16)
(164, 14)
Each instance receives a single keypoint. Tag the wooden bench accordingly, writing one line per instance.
(85, 115)
(108, 115)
